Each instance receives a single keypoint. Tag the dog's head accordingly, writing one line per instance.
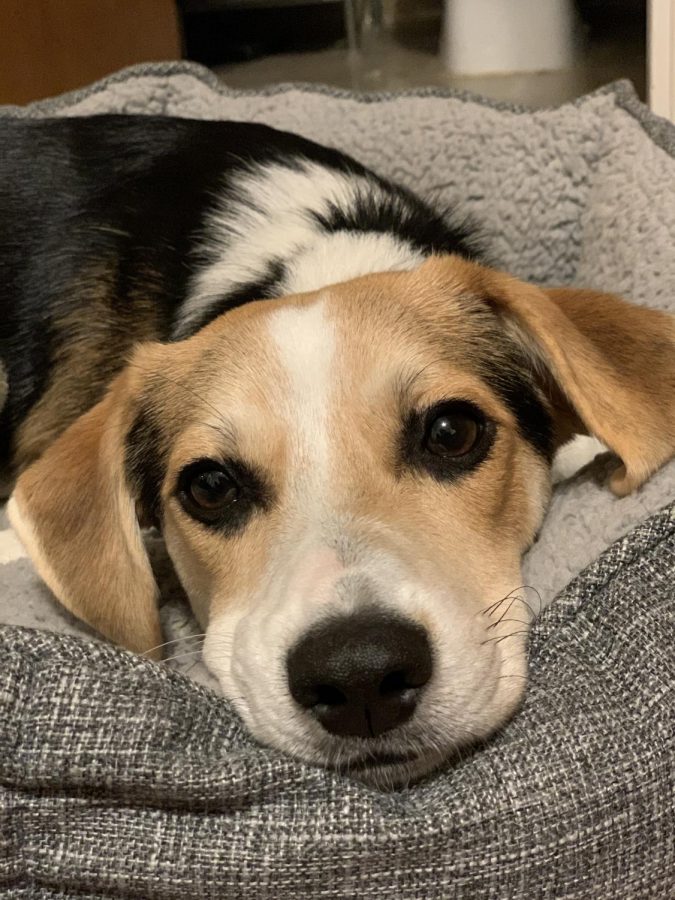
(346, 482)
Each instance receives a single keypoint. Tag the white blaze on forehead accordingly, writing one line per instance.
(305, 341)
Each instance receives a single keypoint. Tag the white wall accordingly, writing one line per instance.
(661, 35)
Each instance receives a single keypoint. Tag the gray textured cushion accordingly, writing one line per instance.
(125, 779)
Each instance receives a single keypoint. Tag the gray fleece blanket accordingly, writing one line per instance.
(125, 779)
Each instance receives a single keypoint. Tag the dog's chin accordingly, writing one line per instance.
(397, 759)
(389, 765)
(398, 766)
(386, 766)
(393, 771)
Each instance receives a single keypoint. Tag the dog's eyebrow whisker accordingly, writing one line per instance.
(227, 428)
(407, 384)
(188, 637)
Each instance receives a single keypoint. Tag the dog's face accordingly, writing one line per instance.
(346, 509)
(346, 482)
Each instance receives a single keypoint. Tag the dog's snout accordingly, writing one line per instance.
(361, 674)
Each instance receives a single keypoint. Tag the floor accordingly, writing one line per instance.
(406, 57)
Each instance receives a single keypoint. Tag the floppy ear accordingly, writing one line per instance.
(74, 511)
(610, 368)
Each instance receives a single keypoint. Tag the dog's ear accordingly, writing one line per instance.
(608, 367)
(75, 510)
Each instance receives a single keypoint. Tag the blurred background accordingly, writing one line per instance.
(534, 52)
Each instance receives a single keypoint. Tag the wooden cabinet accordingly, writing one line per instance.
(50, 46)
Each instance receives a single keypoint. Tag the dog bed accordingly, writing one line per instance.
(123, 778)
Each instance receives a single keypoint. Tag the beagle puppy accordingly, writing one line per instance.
(342, 423)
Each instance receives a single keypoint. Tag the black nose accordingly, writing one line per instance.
(361, 674)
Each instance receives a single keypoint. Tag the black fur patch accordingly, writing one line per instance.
(516, 389)
(145, 465)
(134, 190)
(391, 209)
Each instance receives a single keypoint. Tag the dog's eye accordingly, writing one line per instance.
(222, 495)
(447, 440)
(452, 433)
(212, 490)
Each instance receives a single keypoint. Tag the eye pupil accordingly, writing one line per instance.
(213, 489)
(452, 435)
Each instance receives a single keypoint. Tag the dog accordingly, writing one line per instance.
(341, 420)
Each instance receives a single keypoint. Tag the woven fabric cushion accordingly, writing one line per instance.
(124, 779)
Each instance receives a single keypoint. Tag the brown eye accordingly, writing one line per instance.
(213, 490)
(452, 434)
(223, 495)
(448, 440)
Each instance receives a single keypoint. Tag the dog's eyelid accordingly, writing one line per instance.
(253, 494)
(416, 457)
(195, 461)
(460, 404)
(249, 478)
(237, 469)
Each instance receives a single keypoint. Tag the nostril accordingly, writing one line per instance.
(394, 683)
(317, 696)
(327, 695)
(401, 680)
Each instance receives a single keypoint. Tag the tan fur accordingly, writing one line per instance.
(636, 382)
(418, 348)
(75, 514)
(613, 363)
(405, 342)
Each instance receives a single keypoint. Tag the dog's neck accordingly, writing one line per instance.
(343, 255)
(280, 229)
